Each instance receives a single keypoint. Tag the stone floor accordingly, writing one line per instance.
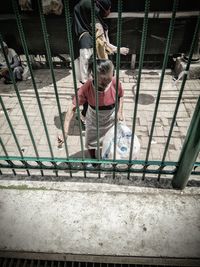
(84, 219)
(64, 83)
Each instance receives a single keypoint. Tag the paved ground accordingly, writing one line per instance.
(148, 90)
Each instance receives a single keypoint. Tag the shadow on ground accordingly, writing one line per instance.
(92, 177)
(143, 99)
(42, 79)
(73, 126)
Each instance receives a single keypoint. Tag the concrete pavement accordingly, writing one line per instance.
(99, 219)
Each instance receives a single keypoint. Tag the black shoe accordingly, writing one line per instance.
(8, 82)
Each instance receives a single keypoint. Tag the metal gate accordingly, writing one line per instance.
(19, 159)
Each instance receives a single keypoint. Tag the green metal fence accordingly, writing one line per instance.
(179, 169)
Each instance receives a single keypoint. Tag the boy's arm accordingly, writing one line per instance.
(120, 114)
(68, 119)
(67, 122)
(69, 115)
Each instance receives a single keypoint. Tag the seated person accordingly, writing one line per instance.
(15, 65)
(106, 97)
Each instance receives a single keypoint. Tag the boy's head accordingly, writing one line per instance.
(105, 70)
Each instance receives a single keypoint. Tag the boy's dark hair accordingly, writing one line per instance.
(103, 65)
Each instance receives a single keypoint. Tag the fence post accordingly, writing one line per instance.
(189, 151)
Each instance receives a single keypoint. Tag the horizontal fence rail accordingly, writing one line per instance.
(82, 163)
(122, 166)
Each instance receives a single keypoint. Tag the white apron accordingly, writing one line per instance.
(106, 121)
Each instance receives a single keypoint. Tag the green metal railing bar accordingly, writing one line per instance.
(104, 168)
(95, 74)
(20, 100)
(6, 153)
(71, 51)
(195, 36)
(49, 57)
(141, 60)
(25, 48)
(137, 164)
(177, 169)
(166, 56)
(93, 17)
(119, 33)
(189, 151)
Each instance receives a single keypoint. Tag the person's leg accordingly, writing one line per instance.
(92, 153)
(77, 68)
(78, 77)
(85, 54)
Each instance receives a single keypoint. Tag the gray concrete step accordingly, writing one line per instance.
(99, 219)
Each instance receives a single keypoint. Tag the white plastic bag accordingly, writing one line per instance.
(123, 143)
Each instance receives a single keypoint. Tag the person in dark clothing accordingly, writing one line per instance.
(14, 62)
(83, 44)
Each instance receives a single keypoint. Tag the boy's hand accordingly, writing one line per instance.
(60, 140)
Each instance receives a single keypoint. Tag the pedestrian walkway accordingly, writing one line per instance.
(84, 219)
(64, 81)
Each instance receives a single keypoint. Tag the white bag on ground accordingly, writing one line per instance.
(123, 143)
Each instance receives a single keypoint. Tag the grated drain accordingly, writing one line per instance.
(10, 262)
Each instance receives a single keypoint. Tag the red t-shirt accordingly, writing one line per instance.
(86, 93)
